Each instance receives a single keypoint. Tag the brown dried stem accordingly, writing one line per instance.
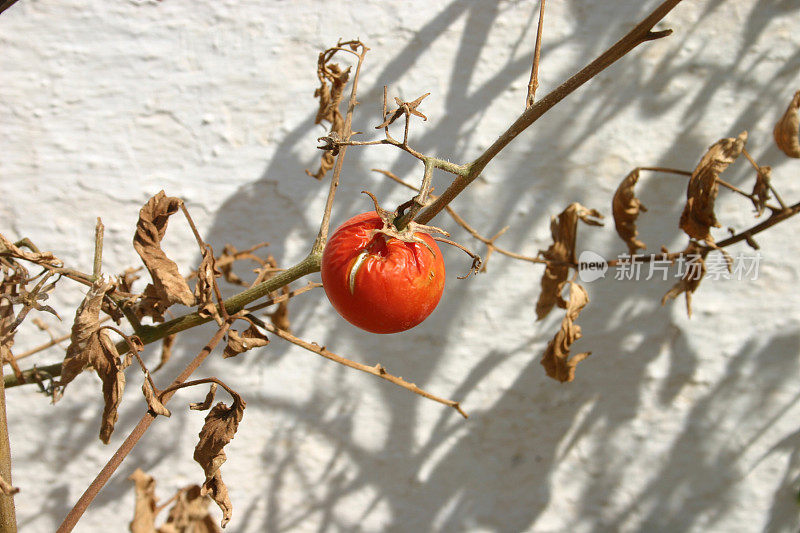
(534, 83)
(722, 182)
(377, 370)
(98, 248)
(8, 520)
(638, 35)
(322, 236)
(125, 448)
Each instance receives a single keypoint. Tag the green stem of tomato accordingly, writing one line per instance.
(234, 304)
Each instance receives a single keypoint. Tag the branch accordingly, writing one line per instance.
(376, 370)
(638, 35)
(234, 304)
(534, 83)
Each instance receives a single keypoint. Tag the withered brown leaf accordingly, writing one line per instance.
(166, 351)
(144, 514)
(90, 347)
(329, 96)
(189, 513)
(698, 215)
(204, 288)
(695, 271)
(153, 403)
(168, 286)
(761, 189)
(249, 339)
(561, 253)
(787, 130)
(626, 207)
(205, 404)
(556, 359)
(219, 429)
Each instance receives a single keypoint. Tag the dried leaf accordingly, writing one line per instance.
(204, 288)
(91, 347)
(153, 403)
(698, 216)
(84, 329)
(144, 514)
(761, 189)
(190, 514)
(9, 248)
(249, 339)
(219, 429)
(280, 317)
(695, 271)
(206, 404)
(556, 360)
(168, 285)
(329, 96)
(626, 207)
(564, 230)
(787, 130)
(166, 351)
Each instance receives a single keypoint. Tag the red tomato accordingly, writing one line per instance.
(380, 283)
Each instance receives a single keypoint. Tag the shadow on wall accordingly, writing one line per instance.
(495, 472)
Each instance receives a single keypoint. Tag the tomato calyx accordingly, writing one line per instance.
(408, 233)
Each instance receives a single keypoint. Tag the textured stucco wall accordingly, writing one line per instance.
(671, 425)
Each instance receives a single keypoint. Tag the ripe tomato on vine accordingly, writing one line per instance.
(382, 281)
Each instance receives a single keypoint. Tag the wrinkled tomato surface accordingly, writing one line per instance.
(379, 283)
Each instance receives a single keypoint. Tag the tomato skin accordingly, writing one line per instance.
(396, 284)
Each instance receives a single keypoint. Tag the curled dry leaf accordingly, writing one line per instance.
(205, 404)
(787, 130)
(166, 351)
(90, 347)
(144, 514)
(329, 96)
(9, 248)
(249, 339)
(626, 207)
(761, 189)
(561, 253)
(219, 429)
(168, 285)
(204, 288)
(280, 317)
(556, 360)
(695, 271)
(153, 403)
(698, 215)
(189, 513)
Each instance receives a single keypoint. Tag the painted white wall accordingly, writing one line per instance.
(671, 425)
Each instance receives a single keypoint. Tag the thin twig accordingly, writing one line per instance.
(534, 83)
(376, 370)
(98, 248)
(771, 188)
(720, 181)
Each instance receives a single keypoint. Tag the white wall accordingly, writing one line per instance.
(671, 425)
